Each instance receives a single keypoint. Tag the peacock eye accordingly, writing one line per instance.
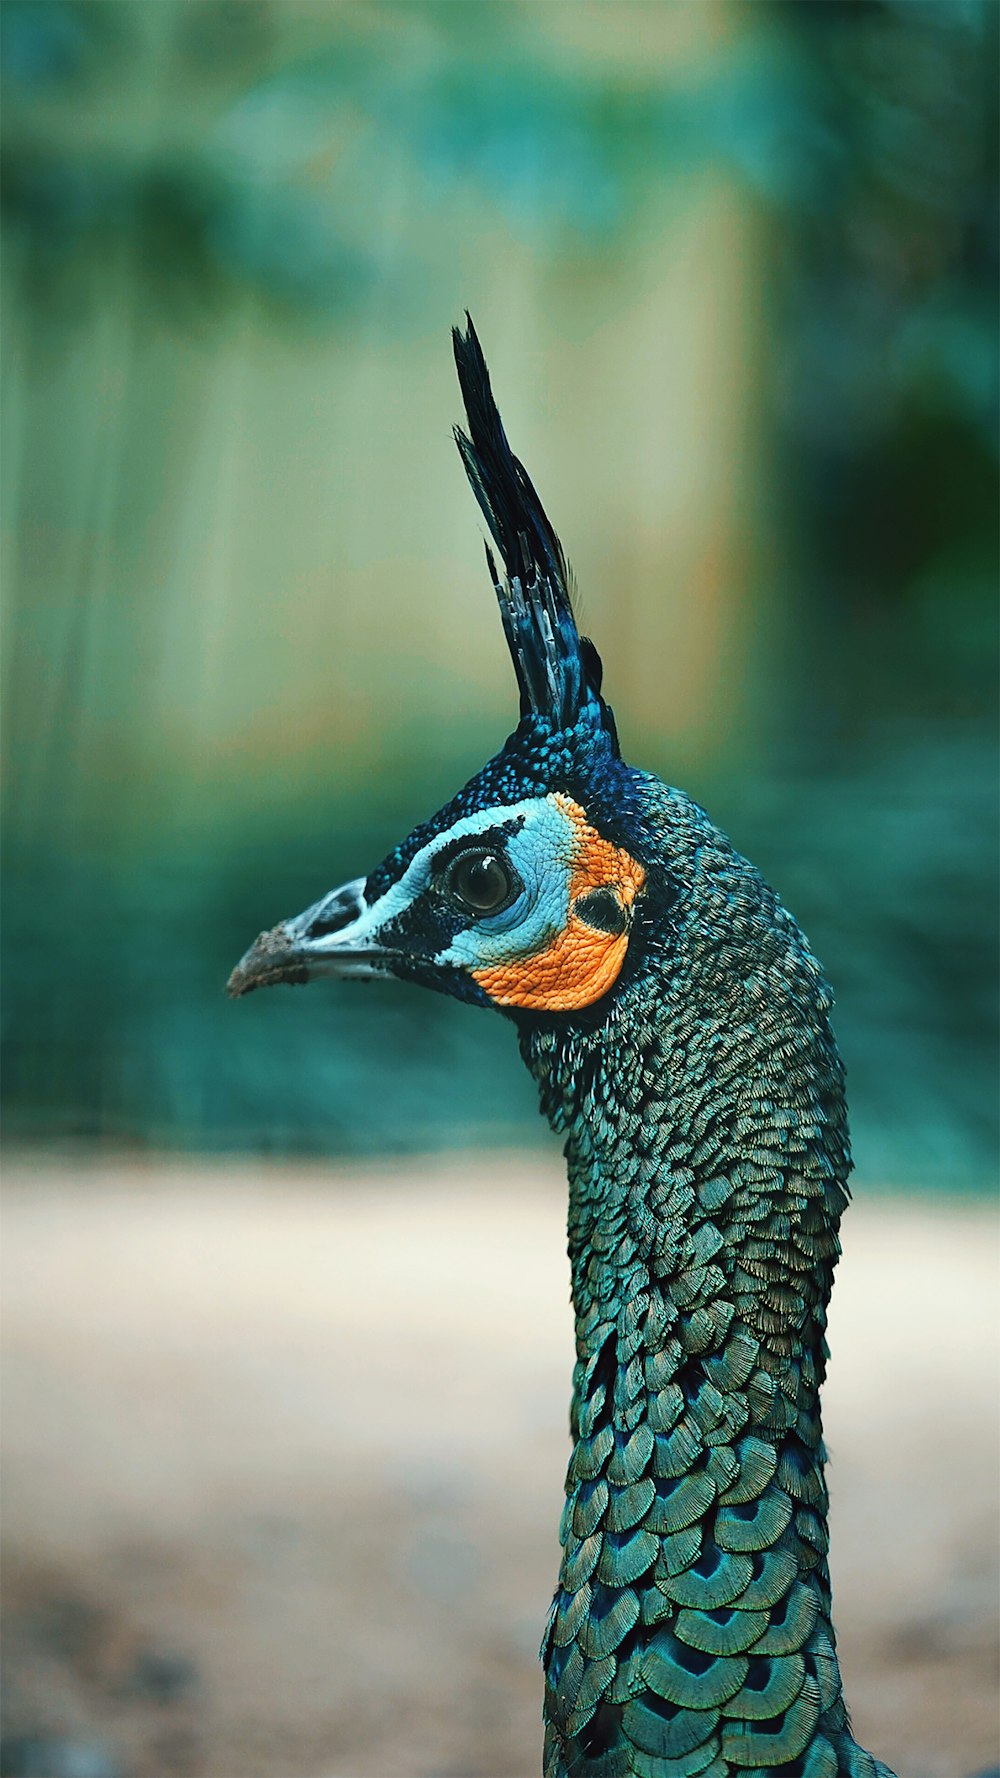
(481, 882)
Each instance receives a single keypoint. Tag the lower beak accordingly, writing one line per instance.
(337, 936)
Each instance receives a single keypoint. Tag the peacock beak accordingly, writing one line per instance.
(336, 936)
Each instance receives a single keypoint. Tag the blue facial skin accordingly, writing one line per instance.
(536, 761)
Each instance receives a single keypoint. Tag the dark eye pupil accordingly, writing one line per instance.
(481, 882)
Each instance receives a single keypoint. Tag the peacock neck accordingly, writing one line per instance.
(708, 1160)
(708, 1169)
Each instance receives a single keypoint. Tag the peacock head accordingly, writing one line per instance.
(535, 888)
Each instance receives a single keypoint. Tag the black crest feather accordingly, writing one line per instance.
(558, 670)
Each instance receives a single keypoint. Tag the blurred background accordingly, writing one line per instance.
(735, 270)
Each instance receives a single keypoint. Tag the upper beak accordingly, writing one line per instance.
(336, 936)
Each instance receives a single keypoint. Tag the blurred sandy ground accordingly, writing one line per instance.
(284, 1455)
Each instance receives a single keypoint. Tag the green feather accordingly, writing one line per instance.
(772, 1684)
(723, 1632)
(754, 1526)
(800, 1476)
(627, 1681)
(680, 1501)
(571, 1611)
(735, 1414)
(687, 1676)
(681, 1549)
(717, 1578)
(661, 1728)
(625, 1556)
(758, 1462)
(823, 1663)
(665, 1408)
(820, 1761)
(723, 1466)
(697, 1330)
(594, 1682)
(792, 1619)
(695, 1764)
(631, 1456)
(579, 1563)
(627, 1506)
(812, 1530)
(708, 1408)
(773, 1573)
(590, 1455)
(589, 1504)
(714, 1193)
(745, 1745)
(675, 1454)
(731, 1367)
(656, 1607)
(760, 1388)
(611, 1618)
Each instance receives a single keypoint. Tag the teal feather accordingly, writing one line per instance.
(723, 1466)
(791, 1622)
(697, 1330)
(588, 1506)
(771, 1686)
(591, 1455)
(657, 1608)
(717, 1578)
(823, 1665)
(714, 1194)
(819, 1760)
(580, 1561)
(685, 1675)
(626, 1556)
(658, 1727)
(757, 1464)
(735, 1415)
(700, 1761)
(730, 1368)
(748, 1744)
(589, 1690)
(799, 1475)
(723, 1632)
(627, 1505)
(571, 1613)
(613, 1762)
(756, 1525)
(812, 1529)
(679, 1501)
(773, 1573)
(611, 1617)
(631, 1456)
(708, 1407)
(681, 1549)
(675, 1453)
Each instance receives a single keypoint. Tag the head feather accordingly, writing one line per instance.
(558, 670)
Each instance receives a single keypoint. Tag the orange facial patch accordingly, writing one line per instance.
(581, 963)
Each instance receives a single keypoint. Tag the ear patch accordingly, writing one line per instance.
(583, 960)
(602, 909)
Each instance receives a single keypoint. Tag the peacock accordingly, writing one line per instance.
(678, 1027)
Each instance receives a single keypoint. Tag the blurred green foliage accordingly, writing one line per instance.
(241, 156)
